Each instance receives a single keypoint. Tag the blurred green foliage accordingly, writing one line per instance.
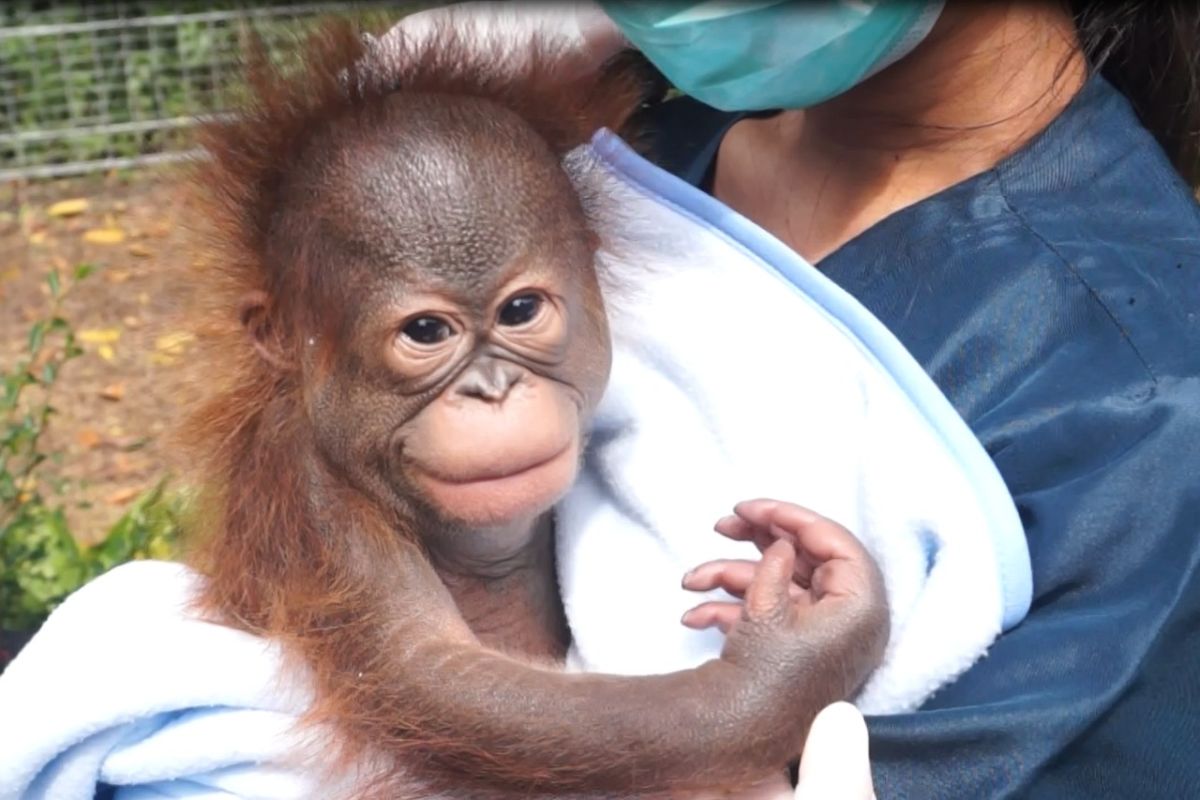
(40, 561)
(125, 74)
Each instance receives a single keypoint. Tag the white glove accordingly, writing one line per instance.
(578, 29)
(835, 763)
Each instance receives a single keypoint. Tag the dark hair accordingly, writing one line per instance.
(1150, 51)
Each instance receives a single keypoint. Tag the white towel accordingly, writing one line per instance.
(124, 686)
(738, 372)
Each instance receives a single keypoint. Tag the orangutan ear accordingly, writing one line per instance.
(255, 319)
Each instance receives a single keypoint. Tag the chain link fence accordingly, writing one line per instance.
(88, 86)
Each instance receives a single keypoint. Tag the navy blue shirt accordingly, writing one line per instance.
(1055, 299)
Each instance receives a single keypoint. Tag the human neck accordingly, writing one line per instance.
(508, 595)
(989, 77)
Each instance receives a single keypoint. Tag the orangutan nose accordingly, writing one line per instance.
(490, 380)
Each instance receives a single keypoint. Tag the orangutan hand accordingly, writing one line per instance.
(833, 576)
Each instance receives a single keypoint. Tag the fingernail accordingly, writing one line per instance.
(685, 619)
(687, 577)
(727, 519)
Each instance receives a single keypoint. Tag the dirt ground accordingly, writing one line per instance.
(116, 402)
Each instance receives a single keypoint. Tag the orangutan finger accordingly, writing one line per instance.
(714, 613)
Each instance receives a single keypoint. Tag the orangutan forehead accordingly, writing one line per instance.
(457, 186)
(432, 152)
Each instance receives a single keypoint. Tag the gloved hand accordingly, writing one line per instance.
(579, 30)
(835, 765)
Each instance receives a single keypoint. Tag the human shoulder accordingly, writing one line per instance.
(1098, 193)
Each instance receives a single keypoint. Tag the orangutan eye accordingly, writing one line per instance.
(427, 330)
(520, 310)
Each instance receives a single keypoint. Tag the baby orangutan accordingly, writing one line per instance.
(409, 338)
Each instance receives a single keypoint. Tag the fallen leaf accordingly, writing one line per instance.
(116, 275)
(123, 496)
(113, 392)
(99, 335)
(140, 250)
(37, 237)
(131, 443)
(68, 208)
(173, 344)
(106, 352)
(104, 235)
(89, 438)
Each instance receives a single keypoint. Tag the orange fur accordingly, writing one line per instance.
(270, 568)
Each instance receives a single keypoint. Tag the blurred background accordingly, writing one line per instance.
(98, 102)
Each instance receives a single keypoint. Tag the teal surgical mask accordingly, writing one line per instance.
(748, 56)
